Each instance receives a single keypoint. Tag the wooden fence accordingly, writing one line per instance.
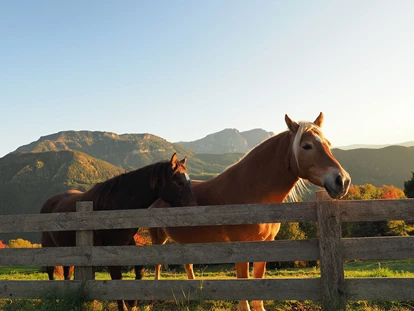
(332, 288)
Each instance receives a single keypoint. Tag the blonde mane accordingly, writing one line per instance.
(300, 187)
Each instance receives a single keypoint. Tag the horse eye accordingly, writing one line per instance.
(306, 146)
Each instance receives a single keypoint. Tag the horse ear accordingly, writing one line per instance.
(183, 161)
(174, 161)
(319, 120)
(292, 125)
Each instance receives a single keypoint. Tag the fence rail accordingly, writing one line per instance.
(332, 288)
(373, 210)
(284, 250)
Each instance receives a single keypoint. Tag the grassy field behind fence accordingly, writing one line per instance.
(74, 301)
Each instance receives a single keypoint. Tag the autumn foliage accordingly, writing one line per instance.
(2, 245)
(370, 192)
(142, 237)
(21, 243)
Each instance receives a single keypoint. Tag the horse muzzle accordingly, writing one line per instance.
(337, 184)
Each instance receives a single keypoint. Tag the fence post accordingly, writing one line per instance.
(330, 249)
(84, 238)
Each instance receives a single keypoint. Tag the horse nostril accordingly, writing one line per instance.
(347, 182)
(339, 181)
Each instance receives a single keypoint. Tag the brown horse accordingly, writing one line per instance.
(267, 174)
(167, 180)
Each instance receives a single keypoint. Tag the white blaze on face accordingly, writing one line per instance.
(187, 177)
(318, 138)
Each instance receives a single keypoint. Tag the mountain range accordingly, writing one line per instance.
(228, 140)
(368, 146)
(79, 159)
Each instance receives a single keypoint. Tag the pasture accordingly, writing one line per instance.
(368, 268)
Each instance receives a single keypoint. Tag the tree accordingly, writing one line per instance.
(409, 187)
(391, 192)
(20, 243)
(2, 245)
(290, 231)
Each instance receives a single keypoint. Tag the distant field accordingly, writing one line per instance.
(392, 268)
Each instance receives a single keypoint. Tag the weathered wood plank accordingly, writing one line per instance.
(380, 289)
(84, 238)
(181, 290)
(376, 210)
(161, 217)
(378, 248)
(163, 254)
(282, 250)
(330, 248)
(268, 289)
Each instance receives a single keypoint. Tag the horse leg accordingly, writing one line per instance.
(242, 270)
(157, 271)
(50, 271)
(190, 271)
(116, 274)
(66, 272)
(259, 269)
(72, 268)
(158, 237)
(139, 273)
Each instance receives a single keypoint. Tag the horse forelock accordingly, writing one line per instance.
(158, 174)
(162, 171)
(305, 127)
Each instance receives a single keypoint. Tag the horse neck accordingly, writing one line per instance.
(128, 191)
(262, 176)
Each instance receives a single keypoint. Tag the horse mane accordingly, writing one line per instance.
(157, 176)
(300, 187)
(298, 190)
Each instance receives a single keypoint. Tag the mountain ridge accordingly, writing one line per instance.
(380, 146)
(227, 141)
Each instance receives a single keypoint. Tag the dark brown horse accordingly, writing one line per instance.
(267, 174)
(167, 180)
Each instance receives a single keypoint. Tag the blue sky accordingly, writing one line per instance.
(185, 69)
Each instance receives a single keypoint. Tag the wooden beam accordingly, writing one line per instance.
(161, 217)
(386, 248)
(380, 289)
(84, 238)
(331, 258)
(224, 252)
(377, 210)
(181, 290)
(364, 210)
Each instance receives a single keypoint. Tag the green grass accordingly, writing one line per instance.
(74, 301)
(71, 301)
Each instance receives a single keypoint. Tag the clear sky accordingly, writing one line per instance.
(185, 69)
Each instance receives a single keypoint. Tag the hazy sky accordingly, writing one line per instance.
(185, 69)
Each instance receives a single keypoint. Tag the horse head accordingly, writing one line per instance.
(312, 158)
(174, 187)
